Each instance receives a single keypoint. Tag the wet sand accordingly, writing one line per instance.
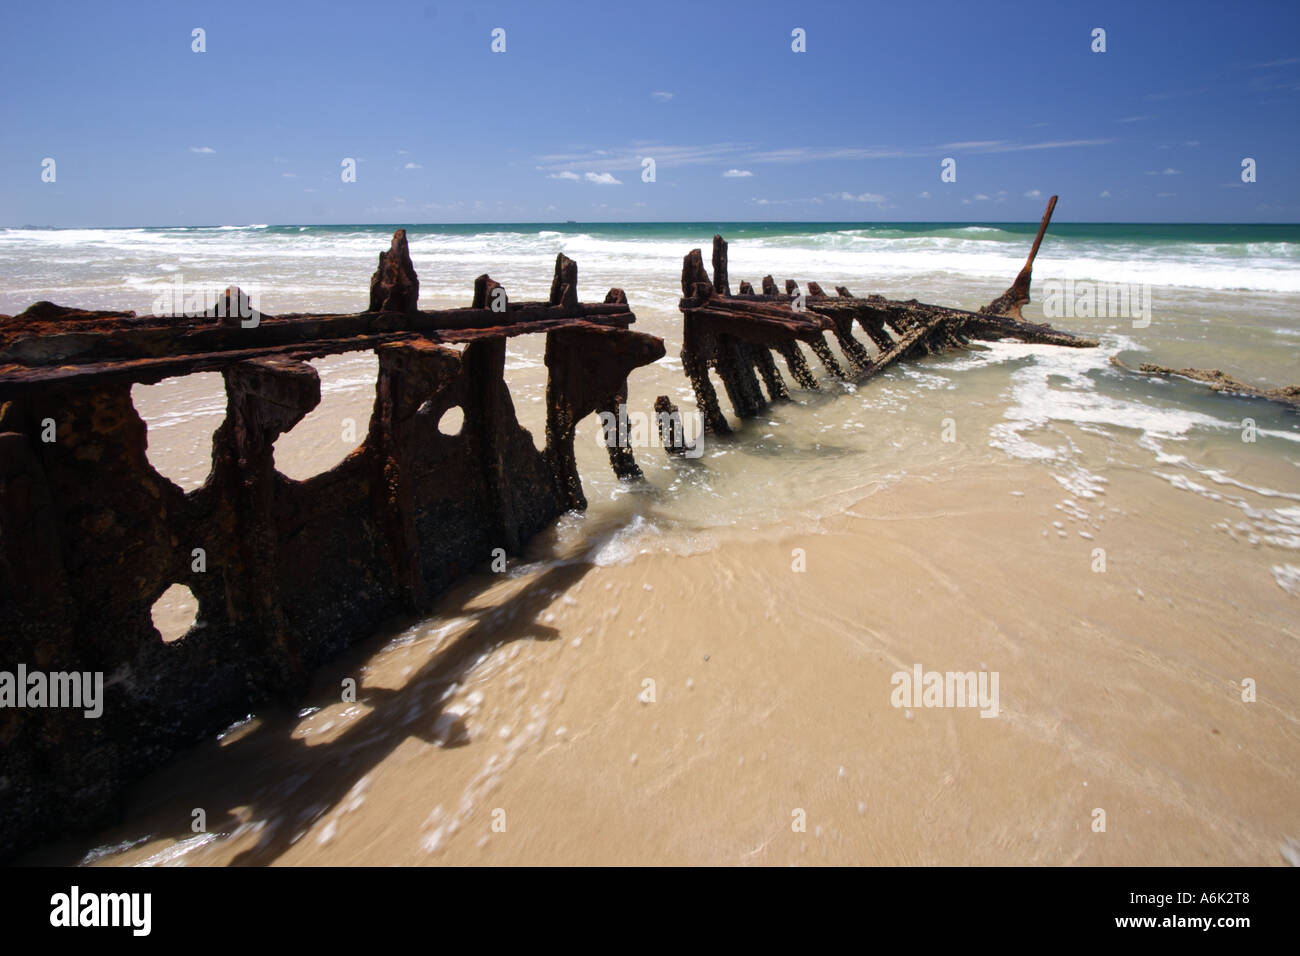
(520, 704)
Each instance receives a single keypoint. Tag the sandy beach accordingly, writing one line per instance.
(524, 704)
(701, 667)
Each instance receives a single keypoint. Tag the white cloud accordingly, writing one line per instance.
(736, 173)
(741, 155)
(980, 197)
(661, 96)
(1002, 146)
(602, 179)
(413, 166)
(860, 197)
(565, 175)
(1033, 194)
(1164, 172)
(925, 195)
(1105, 194)
(202, 149)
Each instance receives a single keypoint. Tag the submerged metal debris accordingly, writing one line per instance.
(737, 336)
(1219, 382)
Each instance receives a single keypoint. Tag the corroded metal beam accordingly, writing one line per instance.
(291, 571)
(736, 334)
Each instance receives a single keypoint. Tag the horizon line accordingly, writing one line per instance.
(670, 222)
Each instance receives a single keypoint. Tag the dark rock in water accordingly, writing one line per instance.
(395, 287)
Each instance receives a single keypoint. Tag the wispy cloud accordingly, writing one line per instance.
(1033, 194)
(1270, 64)
(662, 96)
(860, 197)
(998, 146)
(413, 166)
(202, 149)
(1132, 119)
(565, 175)
(1164, 172)
(736, 174)
(736, 154)
(602, 179)
(1169, 95)
(629, 157)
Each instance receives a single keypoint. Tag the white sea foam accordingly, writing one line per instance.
(1287, 577)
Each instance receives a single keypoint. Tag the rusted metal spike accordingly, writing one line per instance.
(721, 286)
(694, 276)
(564, 287)
(490, 294)
(395, 287)
(234, 309)
(1017, 296)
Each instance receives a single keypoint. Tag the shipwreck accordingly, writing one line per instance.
(294, 571)
(738, 337)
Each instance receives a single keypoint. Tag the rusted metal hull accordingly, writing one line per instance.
(91, 534)
(737, 336)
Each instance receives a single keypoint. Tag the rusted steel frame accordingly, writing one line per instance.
(91, 534)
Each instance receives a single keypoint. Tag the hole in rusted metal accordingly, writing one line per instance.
(181, 414)
(175, 612)
(451, 421)
(334, 429)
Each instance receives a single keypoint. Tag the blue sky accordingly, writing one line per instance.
(144, 131)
